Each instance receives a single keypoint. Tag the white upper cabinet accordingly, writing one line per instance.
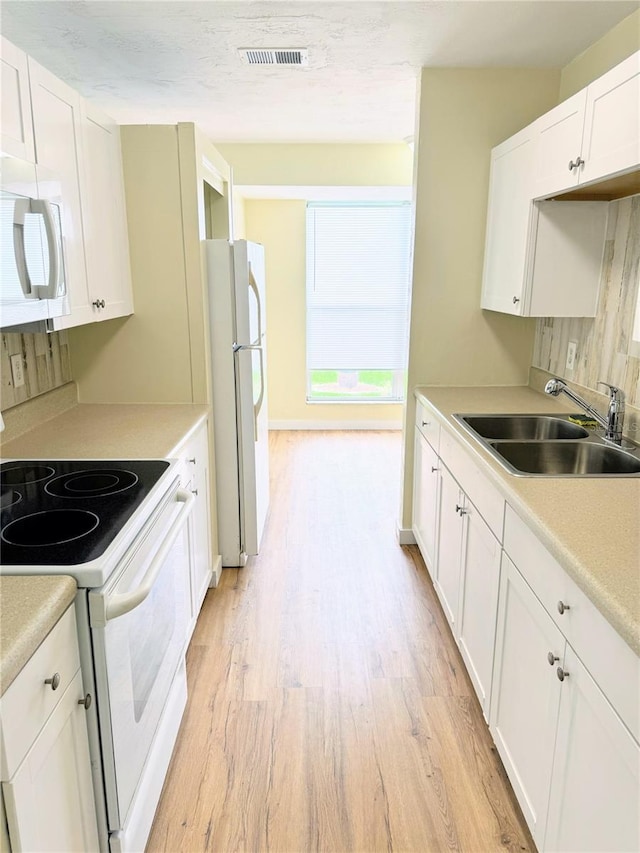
(611, 141)
(593, 135)
(57, 126)
(17, 126)
(559, 145)
(46, 122)
(509, 223)
(104, 219)
(543, 261)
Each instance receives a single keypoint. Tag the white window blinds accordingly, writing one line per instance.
(358, 272)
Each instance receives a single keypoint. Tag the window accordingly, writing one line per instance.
(358, 265)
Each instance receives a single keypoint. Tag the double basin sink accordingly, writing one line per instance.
(549, 446)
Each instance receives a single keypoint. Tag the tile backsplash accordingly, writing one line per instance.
(604, 341)
(45, 363)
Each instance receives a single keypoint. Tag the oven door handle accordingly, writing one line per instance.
(118, 605)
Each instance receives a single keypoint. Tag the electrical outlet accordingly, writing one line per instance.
(571, 355)
(17, 371)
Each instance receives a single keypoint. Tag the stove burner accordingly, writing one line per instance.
(91, 483)
(51, 527)
(20, 475)
(9, 497)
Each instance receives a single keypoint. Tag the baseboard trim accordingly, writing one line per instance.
(217, 571)
(405, 535)
(335, 425)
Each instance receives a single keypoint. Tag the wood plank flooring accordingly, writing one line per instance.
(329, 709)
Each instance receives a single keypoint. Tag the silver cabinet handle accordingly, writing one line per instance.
(461, 510)
(516, 299)
(562, 607)
(579, 162)
(562, 673)
(552, 658)
(54, 681)
(86, 701)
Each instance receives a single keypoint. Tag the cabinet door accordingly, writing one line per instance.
(480, 580)
(450, 533)
(201, 520)
(559, 146)
(426, 501)
(611, 142)
(49, 801)
(16, 122)
(57, 128)
(594, 804)
(104, 217)
(509, 218)
(526, 694)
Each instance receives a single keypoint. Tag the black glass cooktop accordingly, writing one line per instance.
(67, 512)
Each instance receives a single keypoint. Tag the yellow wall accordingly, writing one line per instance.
(319, 165)
(463, 114)
(280, 227)
(612, 48)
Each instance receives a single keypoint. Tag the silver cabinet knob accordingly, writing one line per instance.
(86, 701)
(193, 461)
(433, 470)
(194, 492)
(562, 673)
(461, 510)
(54, 681)
(578, 162)
(516, 299)
(426, 423)
(552, 658)
(562, 607)
(103, 304)
(572, 165)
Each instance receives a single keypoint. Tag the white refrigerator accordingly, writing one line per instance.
(236, 283)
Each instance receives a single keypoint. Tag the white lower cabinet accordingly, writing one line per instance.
(526, 694)
(557, 684)
(47, 783)
(451, 530)
(479, 585)
(49, 800)
(426, 501)
(194, 455)
(594, 804)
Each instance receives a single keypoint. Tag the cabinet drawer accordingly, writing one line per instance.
(428, 425)
(28, 701)
(611, 662)
(482, 494)
(193, 454)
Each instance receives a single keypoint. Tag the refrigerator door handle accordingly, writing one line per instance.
(254, 286)
(258, 404)
(240, 347)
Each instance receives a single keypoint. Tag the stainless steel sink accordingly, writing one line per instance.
(523, 427)
(549, 446)
(562, 458)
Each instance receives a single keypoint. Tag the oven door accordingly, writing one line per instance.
(139, 627)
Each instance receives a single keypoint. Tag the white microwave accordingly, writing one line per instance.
(33, 286)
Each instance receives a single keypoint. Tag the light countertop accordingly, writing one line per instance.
(29, 609)
(590, 525)
(109, 431)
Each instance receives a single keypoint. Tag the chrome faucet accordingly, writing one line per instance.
(612, 424)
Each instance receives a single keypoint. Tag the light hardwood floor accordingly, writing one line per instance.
(329, 709)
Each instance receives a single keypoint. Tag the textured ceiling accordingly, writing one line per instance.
(150, 61)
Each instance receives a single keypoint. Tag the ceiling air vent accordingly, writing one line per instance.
(275, 56)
